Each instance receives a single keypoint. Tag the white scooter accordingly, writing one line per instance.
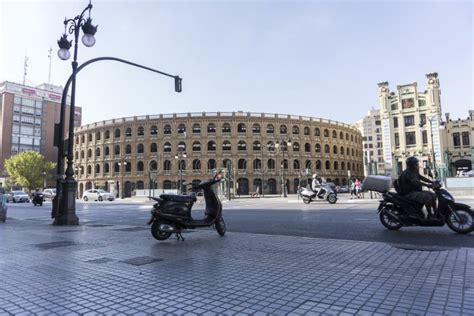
(324, 193)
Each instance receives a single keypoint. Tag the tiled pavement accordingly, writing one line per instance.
(96, 269)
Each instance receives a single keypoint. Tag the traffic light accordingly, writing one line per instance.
(177, 84)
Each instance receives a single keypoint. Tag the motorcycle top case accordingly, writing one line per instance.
(377, 183)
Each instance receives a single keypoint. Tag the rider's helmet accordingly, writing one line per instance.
(315, 176)
(412, 162)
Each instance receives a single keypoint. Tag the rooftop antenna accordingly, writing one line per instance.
(49, 56)
(25, 69)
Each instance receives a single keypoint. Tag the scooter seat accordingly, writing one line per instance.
(178, 198)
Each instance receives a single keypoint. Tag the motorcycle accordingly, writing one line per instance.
(395, 211)
(324, 193)
(172, 213)
(38, 198)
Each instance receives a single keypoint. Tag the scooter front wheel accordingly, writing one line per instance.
(332, 198)
(220, 226)
(157, 233)
(460, 221)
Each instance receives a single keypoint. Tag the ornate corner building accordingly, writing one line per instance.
(257, 149)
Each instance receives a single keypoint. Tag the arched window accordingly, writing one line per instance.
(182, 165)
(334, 134)
(326, 132)
(270, 129)
(167, 129)
(317, 132)
(256, 128)
(89, 137)
(167, 165)
(347, 136)
(140, 166)
(211, 164)
(241, 128)
(283, 129)
(307, 148)
(328, 165)
(76, 155)
(116, 167)
(318, 164)
(153, 130)
(347, 151)
(196, 164)
(211, 146)
(97, 168)
(181, 128)
(352, 138)
(242, 164)
(128, 167)
(226, 128)
(140, 149)
(306, 131)
(256, 145)
(317, 148)
(106, 168)
(211, 128)
(334, 149)
(140, 131)
(89, 153)
(153, 165)
(296, 146)
(257, 164)
(285, 164)
(270, 146)
(196, 128)
(167, 185)
(296, 130)
(83, 139)
(308, 164)
(226, 163)
(167, 147)
(241, 146)
(140, 185)
(107, 151)
(196, 146)
(117, 150)
(153, 148)
(343, 165)
(97, 136)
(271, 164)
(107, 134)
(341, 151)
(341, 135)
(336, 165)
(89, 169)
(182, 146)
(128, 149)
(128, 132)
(327, 150)
(352, 150)
(226, 146)
(97, 152)
(82, 154)
(296, 164)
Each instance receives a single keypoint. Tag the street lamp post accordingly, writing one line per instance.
(179, 156)
(283, 144)
(122, 165)
(433, 154)
(44, 179)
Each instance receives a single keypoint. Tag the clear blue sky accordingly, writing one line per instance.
(317, 58)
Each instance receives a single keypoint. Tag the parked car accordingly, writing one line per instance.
(18, 197)
(97, 195)
(467, 173)
(342, 189)
(49, 194)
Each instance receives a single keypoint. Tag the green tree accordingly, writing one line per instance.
(26, 169)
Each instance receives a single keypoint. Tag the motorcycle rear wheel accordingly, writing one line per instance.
(220, 226)
(157, 233)
(389, 222)
(306, 200)
(464, 225)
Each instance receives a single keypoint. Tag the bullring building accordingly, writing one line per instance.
(257, 150)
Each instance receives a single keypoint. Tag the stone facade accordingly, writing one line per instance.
(137, 153)
(459, 149)
(371, 128)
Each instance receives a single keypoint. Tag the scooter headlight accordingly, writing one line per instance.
(447, 197)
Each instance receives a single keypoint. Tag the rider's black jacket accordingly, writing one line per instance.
(411, 181)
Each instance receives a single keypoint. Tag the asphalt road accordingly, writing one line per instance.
(350, 221)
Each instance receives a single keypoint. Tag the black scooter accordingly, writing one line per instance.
(172, 213)
(396, 211)
(38, 198)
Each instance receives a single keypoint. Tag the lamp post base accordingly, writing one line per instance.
(67, 206)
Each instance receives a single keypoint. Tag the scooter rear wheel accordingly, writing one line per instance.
(306, 200)
(220, 226)
(157, 233)
(388, 221)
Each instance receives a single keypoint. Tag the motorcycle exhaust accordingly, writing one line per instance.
(167, 228)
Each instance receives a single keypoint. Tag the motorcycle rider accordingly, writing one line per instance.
(316, 185)
(411, 185)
